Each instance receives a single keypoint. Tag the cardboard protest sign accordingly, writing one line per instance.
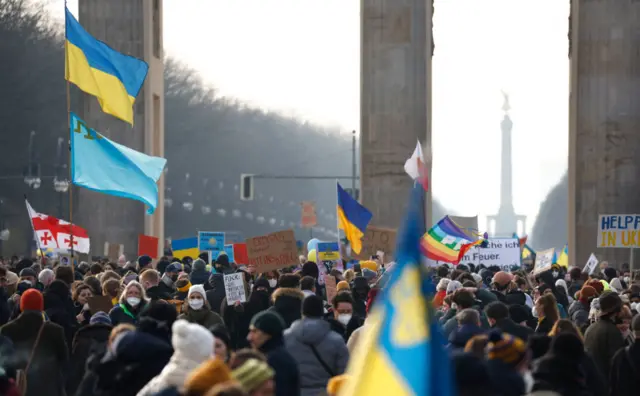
(234, 288)
(619, 231)
(544, 261)
(113, 251)
(591, 265)
(99, 304)
(377, 239)
(272, 251)
(330, 287)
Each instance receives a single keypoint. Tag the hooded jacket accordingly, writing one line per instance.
(579, 314)
(287, 302)
(89, 339)
(330, 347)
(199, 274)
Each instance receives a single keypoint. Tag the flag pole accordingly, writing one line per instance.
(35, 235)
(66, 59)
(344, 264)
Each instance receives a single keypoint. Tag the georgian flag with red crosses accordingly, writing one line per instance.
(53, 233)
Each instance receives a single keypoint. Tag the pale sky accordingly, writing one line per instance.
(302, 57)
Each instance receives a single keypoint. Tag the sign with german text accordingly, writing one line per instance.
(544, 261)
(272, 251)
(234, 288)
(377, 239)
(619, 231)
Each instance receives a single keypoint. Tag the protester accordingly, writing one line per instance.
(287, 299)
(132, 301)
(624, 375)
(320, 353)
(547, 310)
(197, 309)
(498, 317)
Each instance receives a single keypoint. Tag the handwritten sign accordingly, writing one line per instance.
(377, 239)
(501, 252)
(619, 231)
(309, 218)
(234, 288)
(591, 265)
(544, 261)
(330, 287)
(272, 251)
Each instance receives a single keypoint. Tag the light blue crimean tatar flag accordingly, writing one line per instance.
(102, 165)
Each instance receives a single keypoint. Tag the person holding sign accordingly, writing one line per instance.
(198, 310)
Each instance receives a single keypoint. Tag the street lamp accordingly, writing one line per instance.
(168, 202)
(187, 205)
(31, 178)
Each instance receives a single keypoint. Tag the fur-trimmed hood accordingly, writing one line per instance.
(287, 291)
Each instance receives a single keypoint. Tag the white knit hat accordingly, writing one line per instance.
(197, 289)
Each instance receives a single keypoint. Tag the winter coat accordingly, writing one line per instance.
(624, 377)
(560, 374)
(5, 309)
(288, 303)
(579, 314)
(352, 342)
(51, 356)
(236, 319)
(506, 381)
(59, 308)
(544, 326)
(602, 340)
(330, 346)
(199, 277)
(438, 299)
(204, 317)
(125, 313)
(287, 377)
(192, 345)
(510, 327)
(217, 292)
(137, 358)
(154, 293)
(459, 336)
(89, 339)
(452, 324)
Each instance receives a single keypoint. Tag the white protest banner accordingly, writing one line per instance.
(591, 265)
(544, 260)
(619, 231)
(501, 252)
(234, 288)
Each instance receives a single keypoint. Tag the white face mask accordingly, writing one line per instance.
(344, 318)
(196, 303)
(133, 301)
(273, 283)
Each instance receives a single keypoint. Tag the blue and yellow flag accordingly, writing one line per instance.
(353, 218)
(563, 260)
(402, 352)
(97, 69)
(185, 247)
(102, 165)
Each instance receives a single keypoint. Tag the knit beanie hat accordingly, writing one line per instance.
(586, 294)
(342, 285)
(100, 317)
(31, 300)
(197, 289)
(269, 322)
(443, 283)
(205, 376)
(252, 374)
(505, 347)
(597, 285)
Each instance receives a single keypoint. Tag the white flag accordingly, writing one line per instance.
(413, 165)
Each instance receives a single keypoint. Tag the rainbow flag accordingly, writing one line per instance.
(443, 241)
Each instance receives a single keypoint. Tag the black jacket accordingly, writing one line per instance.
(510, 327)
(89, 339)
(216, 294)
(287, 378)
(624, 377)
(155, 294)
(288, 303)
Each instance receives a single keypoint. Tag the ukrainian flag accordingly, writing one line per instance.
(185, 247)
(563, 260)
(402, 353)
(353, 218)
(97, 69)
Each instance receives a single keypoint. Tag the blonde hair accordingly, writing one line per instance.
(349, 275)
(120, 329)
(123, 296)
(565, 326)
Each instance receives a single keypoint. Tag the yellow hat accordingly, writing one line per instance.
(252, 374)
(205, 376)
(342, 285)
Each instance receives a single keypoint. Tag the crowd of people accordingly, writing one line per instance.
(165, 328)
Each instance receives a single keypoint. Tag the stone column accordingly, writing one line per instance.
(604, 127)
(133, 27)
(395, 96)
